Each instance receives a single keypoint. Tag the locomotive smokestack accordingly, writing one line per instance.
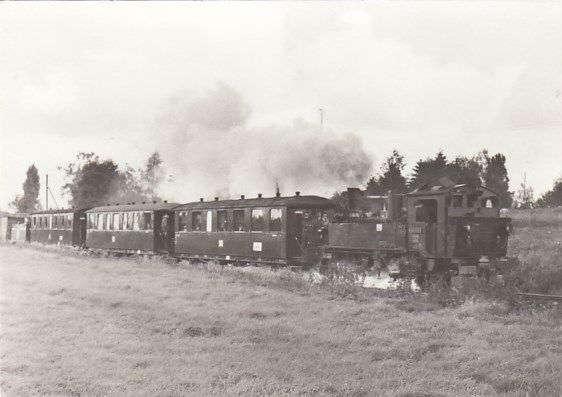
(278, 194)
(259, 195)
(297, 194)
(242, 197)
(201, 199)
(216, 199)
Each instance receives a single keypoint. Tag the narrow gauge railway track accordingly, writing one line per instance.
(541, 297)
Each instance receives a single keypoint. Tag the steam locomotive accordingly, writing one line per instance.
(441, 229)
(437, 229)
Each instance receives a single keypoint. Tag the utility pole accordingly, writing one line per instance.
(321, 117)
(525, 188)
(46, 192)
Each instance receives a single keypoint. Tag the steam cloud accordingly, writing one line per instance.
(209, 151)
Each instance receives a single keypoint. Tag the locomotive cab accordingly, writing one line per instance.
(457, 227)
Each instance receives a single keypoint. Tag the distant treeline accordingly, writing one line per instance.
(91, 181)
(482, 169)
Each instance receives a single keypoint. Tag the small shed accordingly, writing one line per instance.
(20, 232)
(6, 223)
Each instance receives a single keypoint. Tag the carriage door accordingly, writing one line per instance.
(294, 233)
(162, 233)
(82, 228)
(426, 212)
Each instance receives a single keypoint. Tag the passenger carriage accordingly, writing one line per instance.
(61, 227)
(274, 230)
(146, 228)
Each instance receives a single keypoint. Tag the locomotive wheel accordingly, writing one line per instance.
(410, 267)
(438, 278)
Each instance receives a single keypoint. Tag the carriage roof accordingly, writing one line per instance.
(289, 202)
(163, 206)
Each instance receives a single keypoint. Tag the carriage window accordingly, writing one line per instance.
(275, 220)
(490, 202)
(70, 221)
(209, 221)
(124, 221)
(257, 220)
(62, 221)
(238, 221)
(426, 211)
(55, 221)
(116, 224)
(471, 200)
(196, 221)
(457, 201)
(182, 221)
(136, 218)
(99, 222)
(164, 223)
(147, 220)
(34, 221)
(130, 220)
(91, 221)
(106, 220)
(222, 223)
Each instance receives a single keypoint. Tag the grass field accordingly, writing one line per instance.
(536, 241)
(83, 326)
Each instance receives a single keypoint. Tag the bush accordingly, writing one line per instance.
(343, 278)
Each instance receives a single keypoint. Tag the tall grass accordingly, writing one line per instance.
(535, 245)
(86, 326)
(536, 218)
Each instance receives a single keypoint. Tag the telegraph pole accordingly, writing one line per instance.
(525, 188)
(46, 192)
(321, 117)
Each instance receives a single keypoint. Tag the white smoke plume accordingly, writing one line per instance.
(208, 151)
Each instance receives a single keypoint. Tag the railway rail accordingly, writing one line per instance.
(541, 297)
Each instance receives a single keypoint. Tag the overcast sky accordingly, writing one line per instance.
(125, 79)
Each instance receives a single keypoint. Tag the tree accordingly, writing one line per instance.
(429, 170)
(466, 171)
(152, 175)
(92, 182)
(495, 178)
(391, 179)
(31, 187)
(341, 201)
(373, 188)
(552, 198)
(524, 198)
